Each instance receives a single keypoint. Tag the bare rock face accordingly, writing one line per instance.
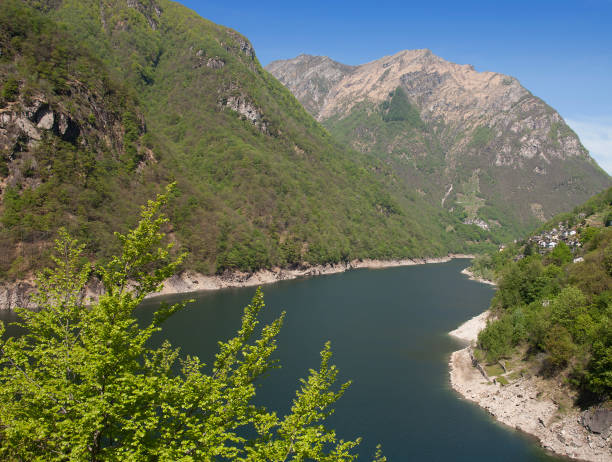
(215, 63)
(149, 9)
(24, 123)
(310, 78)
(241, 47)
(246, 109)
(498, 146)
(16, 295)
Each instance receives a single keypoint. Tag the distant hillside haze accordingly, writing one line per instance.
(489, 151)
(104, 103)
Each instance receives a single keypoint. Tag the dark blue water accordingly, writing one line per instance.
(388, 330)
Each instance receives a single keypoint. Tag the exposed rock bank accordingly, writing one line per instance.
(472, 277)
(523, 406)
(17, 294)
(190, 281)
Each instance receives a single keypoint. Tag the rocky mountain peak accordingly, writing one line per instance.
(310, 78)
(442, 89)
(449, 127)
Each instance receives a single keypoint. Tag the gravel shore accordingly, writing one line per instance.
(17, 294)
(189, 281)
(523, 405)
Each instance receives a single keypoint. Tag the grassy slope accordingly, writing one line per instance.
(247, 198)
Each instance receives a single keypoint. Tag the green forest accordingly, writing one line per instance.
(142, 97)
(553, 308)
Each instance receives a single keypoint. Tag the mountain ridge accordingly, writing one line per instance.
(481, 133)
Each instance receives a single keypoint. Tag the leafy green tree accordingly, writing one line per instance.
(588, 234)
(561, 254)
(607, 259)
(10, 89)
(83, 384)
(599, 376)
(558, 343)
(496, 339)
(566, 307)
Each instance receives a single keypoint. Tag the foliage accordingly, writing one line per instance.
(10, 89)
(561, 254)
(555, 307)
(487, 265)
(599, 375)
(74, 183)
(496, 339)
(399, 109)
(481, 136)
(82, 382)
(559, 345)
(246, 198)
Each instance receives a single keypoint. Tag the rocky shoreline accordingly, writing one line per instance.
(17, 294)
(523, 405)
(473, 277)
(189, 281)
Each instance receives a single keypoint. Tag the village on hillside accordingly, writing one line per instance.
(571, 235)
(548, 240)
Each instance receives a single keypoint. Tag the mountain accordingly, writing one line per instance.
(479, 143)
(103, 103)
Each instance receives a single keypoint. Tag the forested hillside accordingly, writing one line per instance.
(104, 103)
(553, 309)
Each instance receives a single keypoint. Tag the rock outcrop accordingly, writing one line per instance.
(27, 121)
(310, 79)
(247, 110)
(598, 421)
(16, 295)
(151, 10)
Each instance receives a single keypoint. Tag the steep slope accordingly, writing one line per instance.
(310, 78)
(551, 329)
(481, 144)
(105, 102)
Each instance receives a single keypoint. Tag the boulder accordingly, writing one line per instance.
(597, 420)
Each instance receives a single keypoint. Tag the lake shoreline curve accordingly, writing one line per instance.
(521, 405)
(17, 294)
(473, 277)
(189, 281)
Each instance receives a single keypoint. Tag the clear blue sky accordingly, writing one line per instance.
(560, 50)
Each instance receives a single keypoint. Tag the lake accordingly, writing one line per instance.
(388, 330)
